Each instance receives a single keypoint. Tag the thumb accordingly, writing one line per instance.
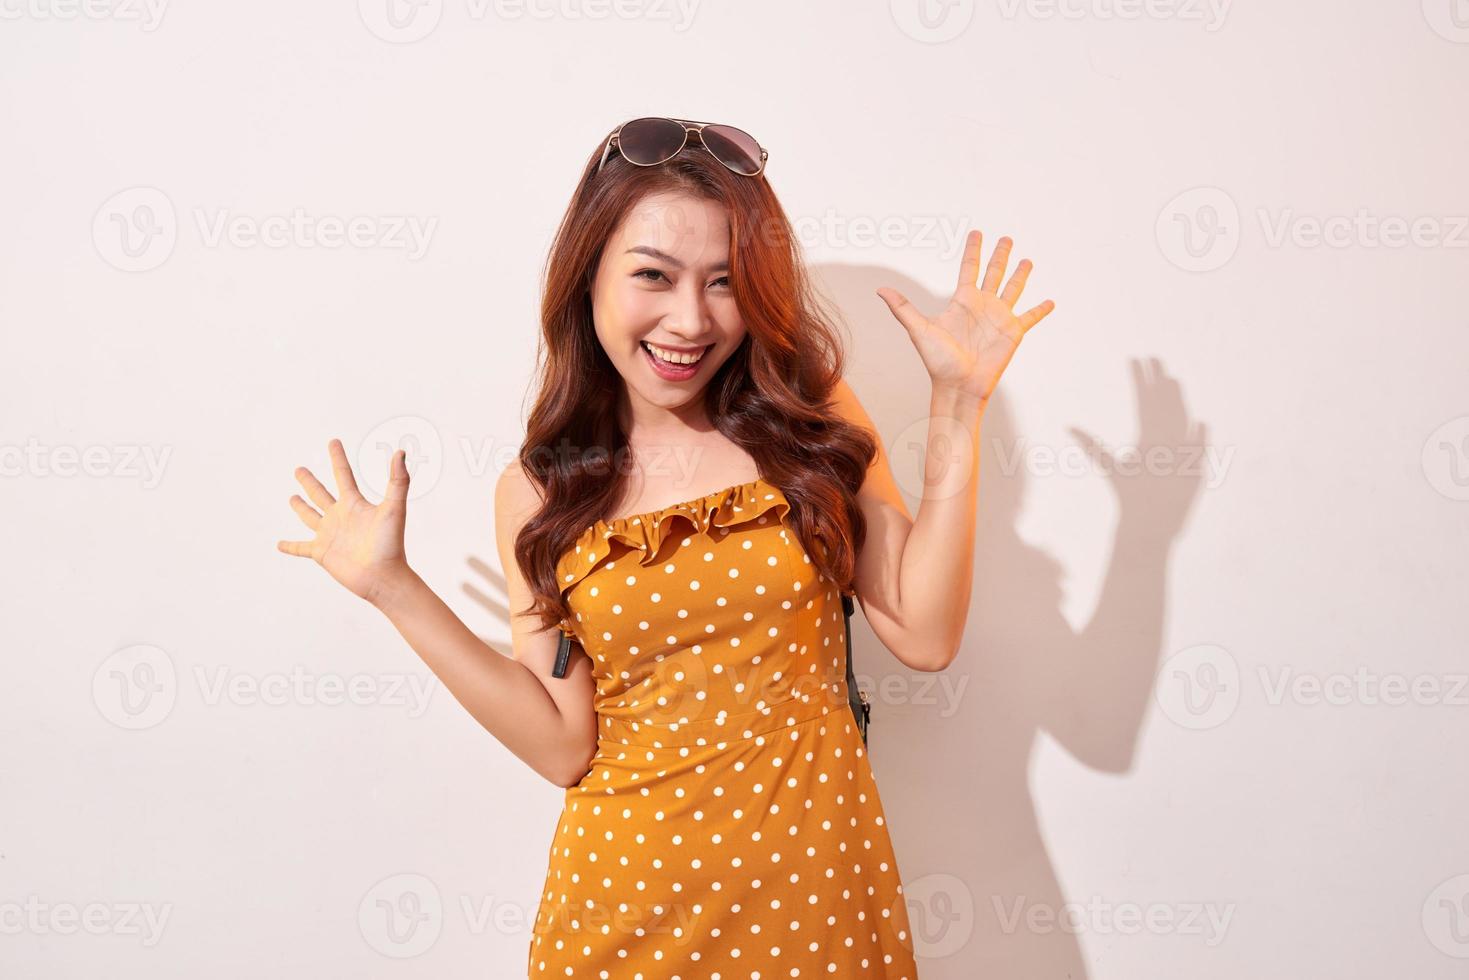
(397, 478)
(905, 311)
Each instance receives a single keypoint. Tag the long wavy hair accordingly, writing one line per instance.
(771, 397)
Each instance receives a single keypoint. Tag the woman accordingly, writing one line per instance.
(721, 817)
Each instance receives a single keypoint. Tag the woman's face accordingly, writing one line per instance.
(663, 286)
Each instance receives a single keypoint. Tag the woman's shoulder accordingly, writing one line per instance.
(516, 497)
(848, 407)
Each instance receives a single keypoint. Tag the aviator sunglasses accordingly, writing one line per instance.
(652, 140)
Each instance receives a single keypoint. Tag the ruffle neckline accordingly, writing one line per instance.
(648, 531)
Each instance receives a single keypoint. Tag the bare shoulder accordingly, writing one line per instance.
(879, 489)
(849, 407)
(516, 501)
(516, 497)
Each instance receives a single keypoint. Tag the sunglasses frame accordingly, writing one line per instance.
(689, 126)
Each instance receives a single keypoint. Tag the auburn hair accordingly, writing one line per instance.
(772, 396)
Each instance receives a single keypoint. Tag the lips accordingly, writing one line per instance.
(698, 353)
(669, 371)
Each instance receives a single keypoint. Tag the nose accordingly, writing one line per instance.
(689, 318)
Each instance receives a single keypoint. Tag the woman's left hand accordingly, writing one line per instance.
(968, 345)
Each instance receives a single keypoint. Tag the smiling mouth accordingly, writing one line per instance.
(665, 357)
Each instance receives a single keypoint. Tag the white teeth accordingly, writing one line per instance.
(672, 357)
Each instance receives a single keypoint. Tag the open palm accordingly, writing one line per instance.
(967, 346)
(359, 543)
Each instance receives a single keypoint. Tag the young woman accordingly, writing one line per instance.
(721, 818)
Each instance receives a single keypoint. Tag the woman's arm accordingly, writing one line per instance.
(547, 722)
(914, 576)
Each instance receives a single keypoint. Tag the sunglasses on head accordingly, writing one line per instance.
(652, 140)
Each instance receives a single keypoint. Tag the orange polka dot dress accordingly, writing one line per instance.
(729, 825)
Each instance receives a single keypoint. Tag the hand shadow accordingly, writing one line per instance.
(952, 751)
(499, 609)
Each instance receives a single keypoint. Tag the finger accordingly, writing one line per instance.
(1092, 444)
(342, 470)
(305, 511)
(397, 478)
(969, 263)
(318, 493)
(1035, 314)
(995, 271)
(1017, 282)
(299, 549)
(905, 311)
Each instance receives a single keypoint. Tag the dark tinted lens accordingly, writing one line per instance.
(650, 140)
(735, 148)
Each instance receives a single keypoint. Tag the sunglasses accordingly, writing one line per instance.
(652, 140)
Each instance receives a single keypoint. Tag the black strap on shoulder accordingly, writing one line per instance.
(563, 656)
(861, 709)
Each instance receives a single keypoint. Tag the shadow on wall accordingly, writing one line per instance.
(982, 892)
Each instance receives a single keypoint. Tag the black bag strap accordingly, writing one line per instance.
(563, 656)
(861, 707)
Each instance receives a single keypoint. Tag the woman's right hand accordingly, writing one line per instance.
(360, 544)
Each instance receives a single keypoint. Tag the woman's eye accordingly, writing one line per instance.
(652, 275)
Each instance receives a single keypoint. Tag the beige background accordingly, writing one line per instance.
(1209, 718)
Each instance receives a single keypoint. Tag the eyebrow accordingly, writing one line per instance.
(665, 257)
